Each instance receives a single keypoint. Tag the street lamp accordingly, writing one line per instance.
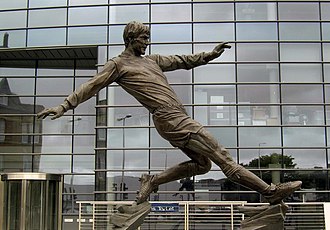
(123, 161)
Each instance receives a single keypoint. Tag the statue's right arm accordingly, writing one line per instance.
(87, 90)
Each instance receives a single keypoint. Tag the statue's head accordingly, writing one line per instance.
(133, 30)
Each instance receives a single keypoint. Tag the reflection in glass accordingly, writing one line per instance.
(87, 2)
(55, 163)
(171, 33)
(12, 19)
(116, 34)
(45, 86)
(84, 144)
(257, 52)
(300, 52)
(327, 93)
(96, 15)
(171, 49)
(51, 17)
(156, 141)
(257, 73)
(225, 136)
(55, 37)
(43, 3)
(302, 94)
(10, 4)
(166, 158)
(258, 93)
(304, 136)
(125, 14)
(219, 94)
(301, 72)
(229, 55)
(303, 115)
(171, 13)
(301, 11)
(87, 35)
(256, 11)
(214, 32)
(83, 163)
(258, 115)
(213, 12)
(299, 31)
(17, 38)
(215, 73)
(326, 52)
(253, 136)
(307, 158)
(215, 115)
(261, 31)
(325, 11)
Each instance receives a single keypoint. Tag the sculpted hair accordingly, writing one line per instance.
(133, 30)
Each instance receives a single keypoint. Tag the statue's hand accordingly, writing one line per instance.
(219, 49)
(56, 112)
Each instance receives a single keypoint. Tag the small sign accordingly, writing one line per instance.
(165, 207)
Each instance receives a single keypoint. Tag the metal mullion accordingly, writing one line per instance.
(34, 111)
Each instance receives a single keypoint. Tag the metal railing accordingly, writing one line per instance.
(195, 215)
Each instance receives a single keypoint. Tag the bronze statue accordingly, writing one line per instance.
(143, 78)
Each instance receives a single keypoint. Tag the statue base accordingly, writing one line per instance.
(264, 217)
(130, 217)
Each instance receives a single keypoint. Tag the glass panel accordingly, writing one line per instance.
(225, 136)
(213, 12)
(257, 73)
(45, 86)
(219, 94)
(17, 72)
(304, 137)
(256, 31)
(327, 93)
(328, 121)
(258, 115)
(134, 138)
(125, 14)
(303, 115)
(255, 136)
(120, 97)
(50, 144)
(253, 158)
(87, 2)
(300, 52)
(307, 158)
(213, 32)
(258, 93)
(171, 13)
(55, 37)
(83, 164)
(171, 33)
(17, 38)
(55, 163)
(15, 162)
(116, 34)
(299, 31)
(164, 159)
(325, 11)
(51, 17)
(10, 4)
(87, 35)
(83, 124)
(302, 94)
(43, 3)
(215, 73)
(179, 76)
(301, 73)
(128, 1)
(139, 116)
(171, 49)
(183, 93)
(326, 52)
(257, 52)
(84, 144)
(97, 15)
(256, 11)
(18, 86)
(11, 20)
(157, 141)
(325, 31)
(215, 115)
(301, 11)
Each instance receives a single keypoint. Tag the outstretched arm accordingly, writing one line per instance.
(217, 51)
(85, 91)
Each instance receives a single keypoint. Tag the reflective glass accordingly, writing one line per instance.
(87, 35)
(163, 159)
(83, 164)
(84, 144)
(87, 2)
(301, 72)
(50, 143)
(50, 17)
(134, 159)
(325, 11)
(256, 31)
(213, 12)
(45, 86)
(17, 38)
(249, 157)
(128, 1)
(215, 73)
(10, 4)
(258, 93)
(307, 158)
(83, 124)
(303, 115)
(18, 86)
(96, 15)
(299, 31)
(302, 94)
(171, 33)
(327, 93)
(16, 163)
(228, 55)
(215, 115)
(225, 136)
(326, 72)
(120, 97)
(16, 72)
(326, 52)
(184, 93)
(171, 13)
(125, 14)
(257, 52)
(301, 11)
(256, 11)
(133, 138)
(179, 76)
(116, 50)
(218, 94)
(300, 52)
(257, 72)
(325, 31)
(55, 37)
(255, 136)
(116, 34)
(303, 137)
(139, 116)
(12, 19)
(258, 115)
(43, 3)
(55, 163)
(214, 32)
(171, 49)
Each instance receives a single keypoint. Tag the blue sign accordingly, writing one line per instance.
(165, 207)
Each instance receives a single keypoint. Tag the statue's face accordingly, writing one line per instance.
(140, 44)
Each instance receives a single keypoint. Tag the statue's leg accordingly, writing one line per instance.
(203, 142)
(198, 165)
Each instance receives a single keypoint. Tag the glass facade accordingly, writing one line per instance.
(266, 99)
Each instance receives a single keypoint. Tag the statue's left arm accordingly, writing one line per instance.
(174, 62)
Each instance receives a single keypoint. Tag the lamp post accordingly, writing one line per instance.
(259, 166)
(123, 161)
